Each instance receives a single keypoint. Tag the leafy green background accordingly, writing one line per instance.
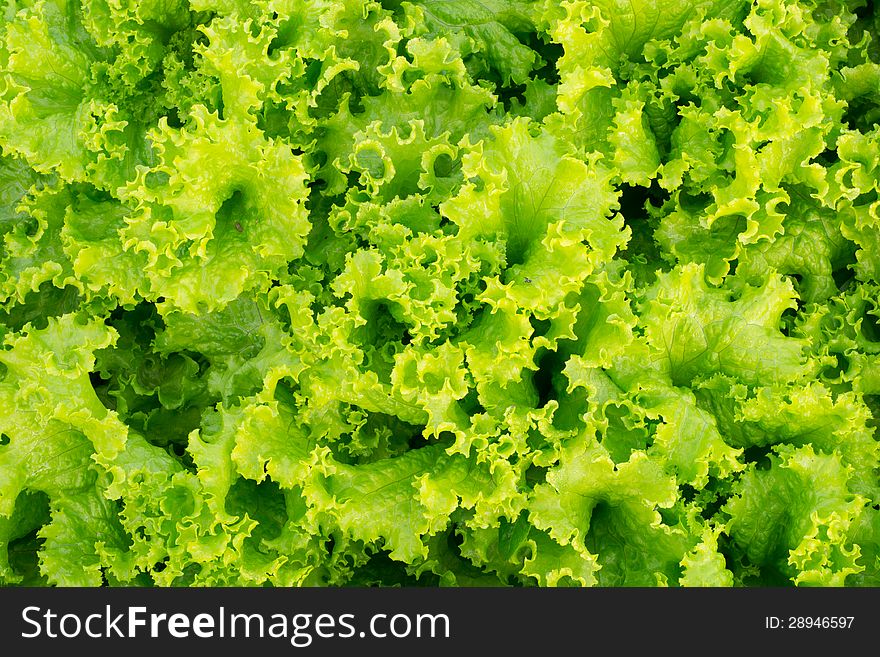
(449, 292)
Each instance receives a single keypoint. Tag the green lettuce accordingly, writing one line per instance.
(500, 293)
